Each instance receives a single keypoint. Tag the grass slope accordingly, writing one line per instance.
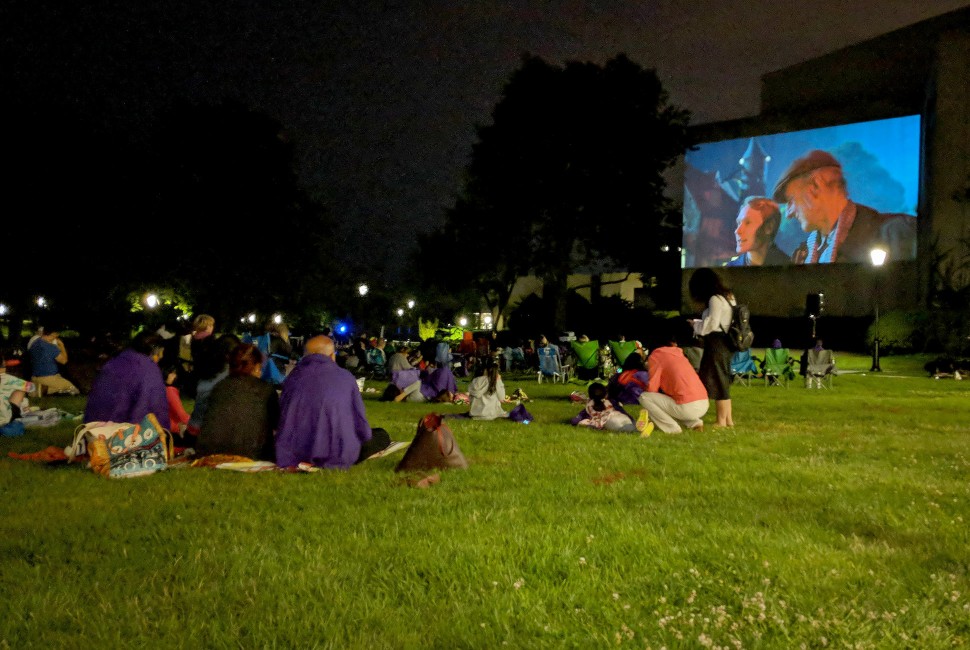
(823, 519)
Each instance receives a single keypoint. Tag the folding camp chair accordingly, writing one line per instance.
(777, 367)
(377, 363)
(550, 366)
(587, 354)
(743, 368)
(820, 369)
(621, 350)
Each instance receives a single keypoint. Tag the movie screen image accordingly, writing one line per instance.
(806, 197)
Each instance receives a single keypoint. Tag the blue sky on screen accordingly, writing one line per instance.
(894, 145)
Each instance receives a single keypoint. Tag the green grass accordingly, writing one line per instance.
(823, 519)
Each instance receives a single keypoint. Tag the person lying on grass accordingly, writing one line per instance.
(601, 414)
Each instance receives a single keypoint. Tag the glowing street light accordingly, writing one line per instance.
(463, 321)
(400, 311)
(878, 257)
(151, 301)
(41, 301)
(277, 318)
(3, 309)
(410, 304)
(363, 289)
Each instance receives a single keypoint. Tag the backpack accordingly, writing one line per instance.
(740, 335)
(434, 446)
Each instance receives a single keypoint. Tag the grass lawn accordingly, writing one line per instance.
(834, 518)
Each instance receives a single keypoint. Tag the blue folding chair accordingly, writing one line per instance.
(550, 366)
(743, 368)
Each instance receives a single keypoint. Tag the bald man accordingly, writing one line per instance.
(322, 417)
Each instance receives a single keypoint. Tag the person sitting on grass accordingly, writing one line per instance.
(130, 386)
(13, 401)
(211, 367)
(243, 410)
(431, 385)
(322, 417)
(486, 392)
(46, 354)
(675, 394)
(178, 418)
(601, 414)
(625, 386)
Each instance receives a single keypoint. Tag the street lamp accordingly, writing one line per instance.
(363, 289)
(878, 258)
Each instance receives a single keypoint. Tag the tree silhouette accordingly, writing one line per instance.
(569, 176)
(240, 233)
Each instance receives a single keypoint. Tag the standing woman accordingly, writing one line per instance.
(706, 289)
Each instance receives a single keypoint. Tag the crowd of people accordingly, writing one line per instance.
(316, 415)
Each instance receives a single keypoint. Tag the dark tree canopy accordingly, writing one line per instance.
(569, 176)
(209, 207)
(246, 235)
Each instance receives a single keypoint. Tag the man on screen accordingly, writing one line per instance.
(758, 221)
(838, 229)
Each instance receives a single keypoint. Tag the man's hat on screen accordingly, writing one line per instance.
(815, 159)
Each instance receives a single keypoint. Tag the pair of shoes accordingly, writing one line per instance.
(644, 425)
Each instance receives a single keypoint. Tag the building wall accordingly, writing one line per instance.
(921, 69)
(948, 152)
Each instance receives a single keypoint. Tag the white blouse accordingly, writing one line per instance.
(717, 316)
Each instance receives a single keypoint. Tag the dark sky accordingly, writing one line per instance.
(382, 98)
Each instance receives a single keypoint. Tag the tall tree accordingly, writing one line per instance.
(246, 236)
(569, 176)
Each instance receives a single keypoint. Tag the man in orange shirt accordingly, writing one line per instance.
(675, 395)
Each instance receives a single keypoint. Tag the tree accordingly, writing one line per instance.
(242, 235)
(569, 176)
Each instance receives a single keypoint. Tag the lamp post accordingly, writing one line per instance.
(878, 258)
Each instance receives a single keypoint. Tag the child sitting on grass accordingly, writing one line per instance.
(601, 414)
(178, 418)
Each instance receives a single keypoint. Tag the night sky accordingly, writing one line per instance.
(382, 99)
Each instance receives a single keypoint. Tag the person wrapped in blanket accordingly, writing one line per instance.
(130, 385)
(602, 414)
(323, 421)
(13, 401)
(625, 386)
(436, 383)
